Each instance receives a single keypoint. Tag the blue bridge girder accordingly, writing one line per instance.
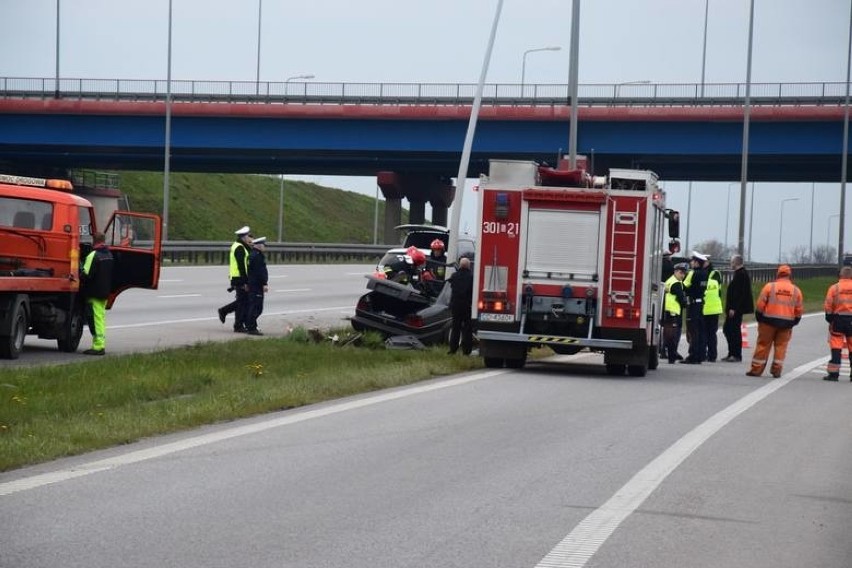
(360, 129)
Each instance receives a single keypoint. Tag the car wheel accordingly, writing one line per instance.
(493, 362)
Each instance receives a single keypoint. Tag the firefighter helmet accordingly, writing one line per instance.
(437, 245)
(416, 255)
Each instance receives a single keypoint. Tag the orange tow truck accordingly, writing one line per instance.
(45, 234)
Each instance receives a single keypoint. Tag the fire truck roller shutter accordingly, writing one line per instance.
(563, 243)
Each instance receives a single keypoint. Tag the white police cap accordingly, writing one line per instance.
(698, 256)
(242, 231)
(259, 241)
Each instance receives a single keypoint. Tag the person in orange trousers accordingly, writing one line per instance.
(838, 314)
(778, 310)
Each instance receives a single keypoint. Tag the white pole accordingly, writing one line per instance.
(688, 214)
(468, 140)
(376, 218)
(704, 49)
(844, 157)
(56, 89)
(168, 143)
(257, 74)
(573, 75)
(811, 246)
(750, 220)
(746, 117)
(281, 210)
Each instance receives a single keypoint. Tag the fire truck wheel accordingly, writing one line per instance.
(636, 370)
(614, 369)
(516, 363)
(493, 362)
(653, 358)
(11, 345)
(72, 333)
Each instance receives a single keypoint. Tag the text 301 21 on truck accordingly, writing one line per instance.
(572, 262)
(45, 233)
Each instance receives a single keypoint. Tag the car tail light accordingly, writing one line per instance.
(413, 321)
(363, 304)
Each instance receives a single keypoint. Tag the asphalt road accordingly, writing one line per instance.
(183, 310)
(558, 464)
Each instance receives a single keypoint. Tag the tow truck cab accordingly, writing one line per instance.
(45, 234)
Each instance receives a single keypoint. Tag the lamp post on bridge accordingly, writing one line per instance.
(524, 61)
(781, 223)
(828, 229)
(305, 77)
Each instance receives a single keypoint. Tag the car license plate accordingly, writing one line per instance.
(504, 318)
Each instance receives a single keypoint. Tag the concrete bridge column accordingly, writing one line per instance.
(389, 184)
(441, 197)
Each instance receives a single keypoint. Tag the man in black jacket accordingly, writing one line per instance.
(738, 302)
(258, 284)
(695, 285)
(461, 301)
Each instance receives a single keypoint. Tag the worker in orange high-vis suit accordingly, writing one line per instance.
(778, 309)
(838, 314)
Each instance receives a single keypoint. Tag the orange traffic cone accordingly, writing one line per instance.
(744, 335)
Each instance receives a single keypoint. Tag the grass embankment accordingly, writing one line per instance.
(209, 207)
(813, 292)
(50, 412)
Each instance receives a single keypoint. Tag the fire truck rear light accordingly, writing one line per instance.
(498, 306)
(481, 305)
(619, 313)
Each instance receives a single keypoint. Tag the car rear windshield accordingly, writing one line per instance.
(424, 239)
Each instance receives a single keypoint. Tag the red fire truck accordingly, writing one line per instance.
(45, 234)
(571, 261)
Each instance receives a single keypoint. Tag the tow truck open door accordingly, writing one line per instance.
(135, 242)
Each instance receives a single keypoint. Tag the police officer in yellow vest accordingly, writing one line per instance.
(238, 273)
(712, 309)
(674, 302)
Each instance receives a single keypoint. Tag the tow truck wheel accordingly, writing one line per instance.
(12, 344)
(493, 362)
(72, 333)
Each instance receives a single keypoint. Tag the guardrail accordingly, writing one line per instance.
(642, 94)
(217, 252)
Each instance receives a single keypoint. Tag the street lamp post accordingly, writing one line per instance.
(704, 50)
(524, 61)
(259, 20)
(281, 210)
(619, 85)
(168, 141)
(728, 213)
(781, 223)
(828, 229)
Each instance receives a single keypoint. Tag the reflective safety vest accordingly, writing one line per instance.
(234, 267)
(839, 298)
(672, 305)
(780, 303)
(712, 298)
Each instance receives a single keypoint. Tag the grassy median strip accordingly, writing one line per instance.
(50, 412)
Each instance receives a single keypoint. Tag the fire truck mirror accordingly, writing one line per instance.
(674, 246)
(674, 223)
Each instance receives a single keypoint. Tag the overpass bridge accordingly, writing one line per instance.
(410, 135)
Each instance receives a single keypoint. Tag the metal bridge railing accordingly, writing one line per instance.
(693, 94)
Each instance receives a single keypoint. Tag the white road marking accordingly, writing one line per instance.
(294, 290)
(357, 273)
(193, 320)
(575, 550)
(35, 481)
(162, 280)
(181, 296)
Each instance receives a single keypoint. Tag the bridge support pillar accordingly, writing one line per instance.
(389, 184)
(418, 189)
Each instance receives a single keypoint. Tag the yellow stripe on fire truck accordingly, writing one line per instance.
(546, 339)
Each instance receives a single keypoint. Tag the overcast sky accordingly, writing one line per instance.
(444, 41)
